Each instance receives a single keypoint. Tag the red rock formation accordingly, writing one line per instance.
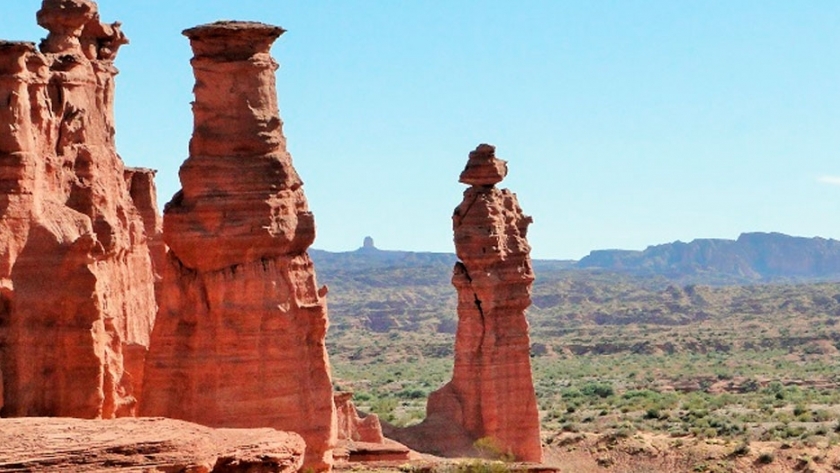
(360, 437)
(351, 425)
(491, 396)
(76, 285)
(148, 444)
(141, 187)
(239, 339)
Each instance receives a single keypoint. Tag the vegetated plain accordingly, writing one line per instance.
(615, 356)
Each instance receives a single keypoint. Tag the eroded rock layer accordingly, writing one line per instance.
(76, 285)
(239, 339)
(148, 444)
(490, 402)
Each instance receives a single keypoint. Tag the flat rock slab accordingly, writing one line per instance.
(143, 444)
(373, 452)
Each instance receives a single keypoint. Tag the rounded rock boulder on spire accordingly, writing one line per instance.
(483, 168)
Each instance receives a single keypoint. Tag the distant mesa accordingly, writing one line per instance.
(368, 244)
(752, 257)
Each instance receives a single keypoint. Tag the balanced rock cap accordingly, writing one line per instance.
(483, 168)
(236, 39)
(66, 16)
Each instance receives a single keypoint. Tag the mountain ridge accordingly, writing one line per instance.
(752, 257)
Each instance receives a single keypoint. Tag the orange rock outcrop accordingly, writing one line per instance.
(76, 284)
(490, 404)
(141, 187)
(239, 338)
(353, 426)
(148, 444)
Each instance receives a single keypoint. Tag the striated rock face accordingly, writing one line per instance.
(76, 285)
(141, 187)
(148, 444)
(491, 396)
(239, 339)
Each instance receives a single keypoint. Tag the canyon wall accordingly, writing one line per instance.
(76, 284)
(489, 406)
(239, 338)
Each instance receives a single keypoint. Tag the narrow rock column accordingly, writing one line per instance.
(489, 407)
(492, 375)
(239, 339)
(76, 284)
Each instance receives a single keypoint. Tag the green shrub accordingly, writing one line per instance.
(765, 458)
(488, 447)
(653, 414)
(741, 450)
(602, 390)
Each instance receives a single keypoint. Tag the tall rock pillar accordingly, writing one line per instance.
(491, 381)
(76, 282)
(239, 338)
(490, 403)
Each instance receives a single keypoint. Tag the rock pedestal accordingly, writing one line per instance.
(239, 339)
(76, 284)
(489, 406)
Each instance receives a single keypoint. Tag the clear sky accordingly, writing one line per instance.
(624, 123)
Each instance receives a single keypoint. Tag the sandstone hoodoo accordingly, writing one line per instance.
(76, 282)
(239, 338)
(490, 402)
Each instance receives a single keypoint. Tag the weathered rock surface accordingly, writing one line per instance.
(239, 338)
(360, 436)
(76, 285)
(491, 395)
(145, 444)
(141, 187)
(352, 425)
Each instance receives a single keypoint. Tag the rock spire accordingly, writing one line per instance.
(239, 339)
(76, 284)
(491, 395)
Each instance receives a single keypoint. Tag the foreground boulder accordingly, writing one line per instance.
(145, 444)
(76, 281)
(239, 339)
(489, 407)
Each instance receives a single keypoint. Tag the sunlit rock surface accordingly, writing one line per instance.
(239, 339)
(76, 283)
(490, 404)
(147, 444)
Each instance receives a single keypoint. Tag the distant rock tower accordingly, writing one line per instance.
(491, 396)
(368, 243)
(239, 339)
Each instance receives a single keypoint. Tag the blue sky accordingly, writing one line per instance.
(625, 123)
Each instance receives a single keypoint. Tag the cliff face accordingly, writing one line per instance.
(491, 395)
(239, 339)
(76, 286)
